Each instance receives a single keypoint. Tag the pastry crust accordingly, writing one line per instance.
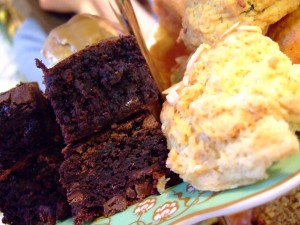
(286, 32)
(170, 14)
(166, 51)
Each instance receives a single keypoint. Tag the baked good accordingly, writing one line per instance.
(30, 149)
(235, 112)
(27, 124)
(170, 14)
(98, 86)
(61, 41)
(33, 195)
(240, 218)
(166, 51)
(286, 33)
(284, 210)
(109, 171)
(205, 21)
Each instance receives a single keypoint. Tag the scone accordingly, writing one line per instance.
(235, 112)
(206, 20)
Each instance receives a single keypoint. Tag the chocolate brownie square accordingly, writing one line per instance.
(27, 124)
(109, 171)
(99, 85)
(33, 194)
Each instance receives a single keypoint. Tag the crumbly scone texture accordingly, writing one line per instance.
(284, 210)
(206, 20)
(234, 113)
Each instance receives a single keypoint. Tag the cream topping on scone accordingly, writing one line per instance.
(204, 21)
(235, 112)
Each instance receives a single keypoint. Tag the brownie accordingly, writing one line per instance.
(27, 124)
(99, 85)
(33, 194)
(109, 171)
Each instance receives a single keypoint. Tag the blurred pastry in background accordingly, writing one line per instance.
(234, 113)
(206, 20)
(167, 52)
(286, 32)
(89, 29)
(241, 218)
(284, 210)
(170, 14)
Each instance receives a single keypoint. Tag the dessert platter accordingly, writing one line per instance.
(114, 139)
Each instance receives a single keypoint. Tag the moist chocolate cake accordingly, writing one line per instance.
(33, 194)
(27, 124)
(109, 171)
(99, 85)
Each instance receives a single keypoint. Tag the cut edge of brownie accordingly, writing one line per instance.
(28, 124)
(115, 168)
(32, 194)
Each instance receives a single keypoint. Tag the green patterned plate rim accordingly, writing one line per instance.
(182, 204)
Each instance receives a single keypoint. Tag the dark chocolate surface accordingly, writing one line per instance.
(33, 195)
(111, 170)
(98, 86)
(27, 124)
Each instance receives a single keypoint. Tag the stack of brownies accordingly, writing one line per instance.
(30, 156)
(115, 151)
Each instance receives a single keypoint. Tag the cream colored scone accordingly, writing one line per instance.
(234, 113)
(204, 21)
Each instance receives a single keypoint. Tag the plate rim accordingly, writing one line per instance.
(266, 195)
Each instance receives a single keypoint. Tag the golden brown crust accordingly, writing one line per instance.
(166, 49)
(286, 32)
(205, 21)
(170, 14)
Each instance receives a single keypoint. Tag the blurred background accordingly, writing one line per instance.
(10, 20)
(23, 29)
(25, 25)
